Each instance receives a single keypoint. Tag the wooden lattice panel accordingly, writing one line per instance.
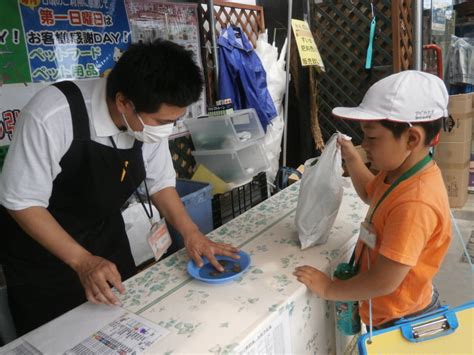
(402, 28)
(341, 30)
(249, 18)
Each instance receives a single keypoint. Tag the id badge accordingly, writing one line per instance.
(367, 234)
(159, 238)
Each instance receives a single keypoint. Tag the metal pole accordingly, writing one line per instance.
(287, 94)
(417, 34)
(212, 25)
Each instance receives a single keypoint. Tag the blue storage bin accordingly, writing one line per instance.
(197, 198)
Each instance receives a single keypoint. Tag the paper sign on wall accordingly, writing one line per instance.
(307, 48)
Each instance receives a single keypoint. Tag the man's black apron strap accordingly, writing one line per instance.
(85, 200)
(78, 108)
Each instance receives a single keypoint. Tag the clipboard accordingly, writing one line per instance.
(445, 331)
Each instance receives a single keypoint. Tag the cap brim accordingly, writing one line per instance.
(355, 113)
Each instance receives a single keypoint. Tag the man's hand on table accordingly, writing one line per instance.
(96, 273)
(317, 281)
(198, 245)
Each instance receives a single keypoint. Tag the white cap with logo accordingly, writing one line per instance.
(408, 96)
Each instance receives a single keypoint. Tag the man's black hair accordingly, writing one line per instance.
(431, 128)
(150, 74)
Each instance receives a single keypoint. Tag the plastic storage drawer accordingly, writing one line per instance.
(234, 165)
(225, 132)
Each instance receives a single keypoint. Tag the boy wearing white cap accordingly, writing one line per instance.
(407, 230)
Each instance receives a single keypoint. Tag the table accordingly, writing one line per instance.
(266, 310)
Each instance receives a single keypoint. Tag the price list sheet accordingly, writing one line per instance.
(128, 334)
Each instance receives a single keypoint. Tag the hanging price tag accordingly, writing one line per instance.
(159, 238)
(367, 234)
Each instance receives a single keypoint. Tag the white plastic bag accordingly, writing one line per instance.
(320, 195)
(137, 226)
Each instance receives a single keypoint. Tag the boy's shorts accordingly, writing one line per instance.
(435, 304)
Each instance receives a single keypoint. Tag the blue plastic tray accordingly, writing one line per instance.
(232, 269)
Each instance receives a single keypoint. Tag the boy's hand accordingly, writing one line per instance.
(317, 281)
(358, 171)
(348, 151)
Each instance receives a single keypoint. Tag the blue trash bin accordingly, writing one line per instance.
(197, 199)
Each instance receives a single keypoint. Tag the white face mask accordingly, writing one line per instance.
(150, 134)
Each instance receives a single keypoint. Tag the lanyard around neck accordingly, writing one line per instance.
(149, 211)
(407, 174)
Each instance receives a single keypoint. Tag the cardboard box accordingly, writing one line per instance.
(453, 153)
(456, 180)
(472, 112)
(293, 177)
(471, 174)
(459, 104)
(457, 128)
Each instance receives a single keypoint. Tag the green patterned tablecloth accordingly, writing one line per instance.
(223, 319)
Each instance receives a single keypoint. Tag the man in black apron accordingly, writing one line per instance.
(56, 257)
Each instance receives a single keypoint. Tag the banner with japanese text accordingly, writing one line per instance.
(13, 56)
(43, 41)
(13, 97)
(73, 39)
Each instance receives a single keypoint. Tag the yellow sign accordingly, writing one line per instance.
(307, 48)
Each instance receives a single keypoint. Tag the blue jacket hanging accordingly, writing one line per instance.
(242, 76)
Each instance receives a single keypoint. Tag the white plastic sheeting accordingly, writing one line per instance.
(274, 66)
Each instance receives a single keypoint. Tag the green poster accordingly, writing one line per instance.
(14, 67)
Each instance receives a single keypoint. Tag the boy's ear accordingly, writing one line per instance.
(416, 137)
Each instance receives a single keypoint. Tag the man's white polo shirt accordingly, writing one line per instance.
(43, 135)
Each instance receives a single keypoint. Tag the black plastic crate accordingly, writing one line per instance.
(233, 203)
